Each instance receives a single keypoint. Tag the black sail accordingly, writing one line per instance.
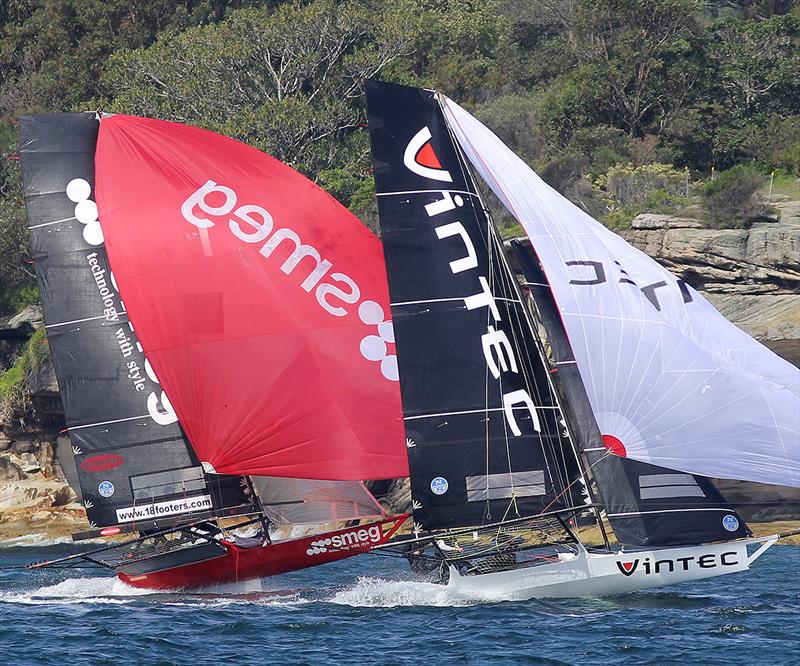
(484, 431)
(134, 464)
(646, 505)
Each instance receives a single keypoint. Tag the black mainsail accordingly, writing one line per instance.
(134, 463)
(485, 434)
(647, 505)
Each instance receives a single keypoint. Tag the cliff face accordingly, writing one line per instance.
(34, 496)
(752, 276)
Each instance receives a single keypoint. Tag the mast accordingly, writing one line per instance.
(483, 426)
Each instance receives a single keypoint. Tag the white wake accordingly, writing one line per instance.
(380, 593)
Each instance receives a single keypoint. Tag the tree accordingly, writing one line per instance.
(758, 64)
(287, 81)
(642, 53)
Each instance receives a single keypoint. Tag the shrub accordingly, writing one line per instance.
(14, 392)
(730, 199)
(629, 185)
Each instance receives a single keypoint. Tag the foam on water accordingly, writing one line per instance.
(111, 590)
(99, 590)
(377, 592)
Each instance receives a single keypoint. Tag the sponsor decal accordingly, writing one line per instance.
(670, 565)
(110, 531)
(158, 406)
(353, 539)
(79, 191)
(102, 462)
(730, 522)
(160, 509)
(105, 488)
(439, 485)
(334, 291)
(420, 158)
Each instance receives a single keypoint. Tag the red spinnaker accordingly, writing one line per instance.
(260, 302)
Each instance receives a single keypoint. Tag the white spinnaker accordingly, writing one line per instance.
(666, 374)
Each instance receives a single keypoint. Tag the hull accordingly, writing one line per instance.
(590, 574)
(226, 562)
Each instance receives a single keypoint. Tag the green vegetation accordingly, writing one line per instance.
(610, 100)
(14, 394)
(731, 198)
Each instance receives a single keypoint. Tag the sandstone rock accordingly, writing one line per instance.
(398, 498)
(46, 459)
(751, 275)
(5, 442)
(30, 463)
(10, 471)
(24, 445)
(656, 221)
(30, 316)
(43, 382)
(62, 496)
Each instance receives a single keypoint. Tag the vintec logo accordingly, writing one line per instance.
(647, 566)
(346, 541)
(334, 291)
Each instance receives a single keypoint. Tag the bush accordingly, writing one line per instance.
(628, 185)
(14, 392)
(730, 199)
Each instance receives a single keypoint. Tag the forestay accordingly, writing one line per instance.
(670, 380)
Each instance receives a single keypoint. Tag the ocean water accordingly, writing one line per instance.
(367, 610)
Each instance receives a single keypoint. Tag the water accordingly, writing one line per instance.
(366, 610)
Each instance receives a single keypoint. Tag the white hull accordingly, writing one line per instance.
(590, 574)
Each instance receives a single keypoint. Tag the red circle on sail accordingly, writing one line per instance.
(614, 445)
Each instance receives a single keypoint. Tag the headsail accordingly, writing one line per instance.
(670, 380)
(132, 459)
(484, 431)
(260, 300)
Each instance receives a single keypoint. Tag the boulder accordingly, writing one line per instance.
(24, 323)
(62, 496)
(10, 471)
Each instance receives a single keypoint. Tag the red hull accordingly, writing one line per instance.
(239, 564)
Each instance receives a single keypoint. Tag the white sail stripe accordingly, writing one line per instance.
(78, 321)
(47, 224)
(681, 510)
(102, 423)
(475, 411)
(445, 300)
(434, 191)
